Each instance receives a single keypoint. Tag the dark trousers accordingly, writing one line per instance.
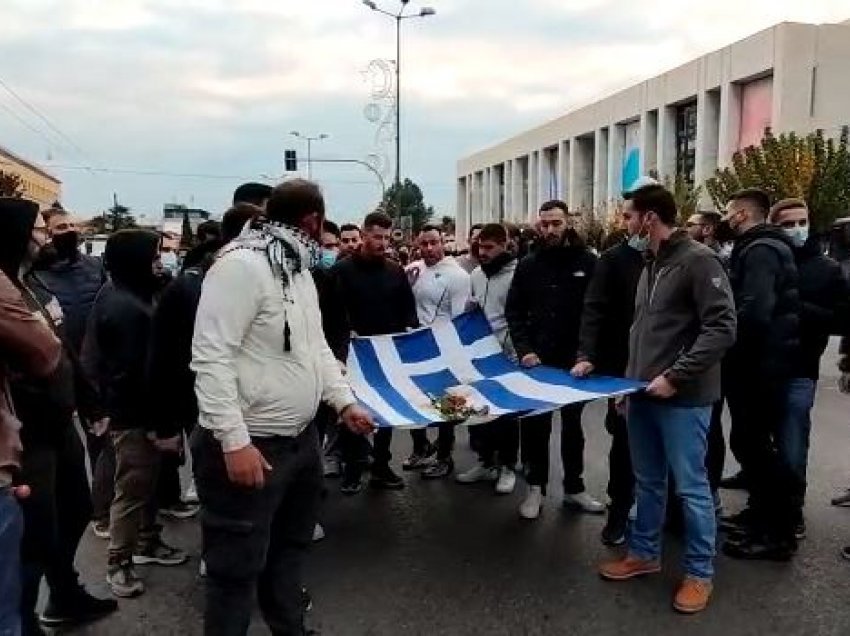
(102, 459)
(715, 457)
(55, 516)
(380, 446)
(445, 440)
(255, 540)
(497, 442)
(168, 491)
(11, 531)
(621, 477)
(535, 432)
(757, 410)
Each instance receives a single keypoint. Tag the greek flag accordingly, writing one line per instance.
(397, 376)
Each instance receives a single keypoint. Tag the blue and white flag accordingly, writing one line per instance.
(397, 376)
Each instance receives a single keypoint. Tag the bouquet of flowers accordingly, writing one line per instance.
(454, 406)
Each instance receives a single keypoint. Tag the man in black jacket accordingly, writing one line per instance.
(823, 299)
(543, 310)
(378, 298)
(53, 465)
(756, 375)
(115, 354)
(604, 348)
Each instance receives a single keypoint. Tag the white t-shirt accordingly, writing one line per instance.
(442, 291)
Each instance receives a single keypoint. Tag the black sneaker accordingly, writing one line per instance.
(845, 552)
(80, 608)
(439, 469)
(800, 530)
(740, 522)
(352, 482)
(842, 501)
(755, 548)
(384, 478)
(614, 532)
(420, 459)
(157, 552)
(180, 510)
(306, 600)
(738, 481)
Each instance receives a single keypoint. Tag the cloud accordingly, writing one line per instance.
(214, 86)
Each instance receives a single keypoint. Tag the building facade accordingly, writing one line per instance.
(38, 184)
(688, 121)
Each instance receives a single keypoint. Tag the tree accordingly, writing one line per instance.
(810, 167)
(11, 185)
(187, 237)
(118, 217)
(412, 205)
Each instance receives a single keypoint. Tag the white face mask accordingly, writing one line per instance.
(798, 235)
(639, 243)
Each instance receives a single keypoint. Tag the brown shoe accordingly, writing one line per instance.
(628, 568)
(692, 596)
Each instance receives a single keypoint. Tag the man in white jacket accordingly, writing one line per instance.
(497, 442)
(441, 289)
(263, 366)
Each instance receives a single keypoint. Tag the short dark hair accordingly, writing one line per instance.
(329, 227)
(494, 232)
(253, 193)
(555, 204)
(711, 218)
(431, 227)
(654, 198)
(786, 204)
(349, 227)
(234, 220)
(755, 196)
(293, 200)
(513, 230)
(379, 219)
(209, 229)
(476, 226)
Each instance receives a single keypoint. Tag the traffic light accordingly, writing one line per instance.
(290, 161)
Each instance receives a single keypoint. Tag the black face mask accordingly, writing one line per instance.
(66, 244)
(723, 233)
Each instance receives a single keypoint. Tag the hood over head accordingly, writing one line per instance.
(129, 257)
(17, 219)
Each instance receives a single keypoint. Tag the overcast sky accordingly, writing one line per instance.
(215, 86)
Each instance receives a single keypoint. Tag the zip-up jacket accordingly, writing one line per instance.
(684, 321)
(490, 292)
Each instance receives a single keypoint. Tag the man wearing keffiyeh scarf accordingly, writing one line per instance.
(263, 366)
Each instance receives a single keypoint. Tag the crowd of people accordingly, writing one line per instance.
(243, 353)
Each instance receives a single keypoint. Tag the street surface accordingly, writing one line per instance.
(443, 559)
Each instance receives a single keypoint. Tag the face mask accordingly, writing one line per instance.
(798, 235)
(66, 244)
(726, 250)
(328, 259)
(639, 243)
(170, 262)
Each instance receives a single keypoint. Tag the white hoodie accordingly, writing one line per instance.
(247, 383)
(441, 291)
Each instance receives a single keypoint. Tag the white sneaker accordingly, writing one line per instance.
(507, 481)
(477, 473)
(202, 569)
(318, 533)
(633, 512)
(530, 508)
(584, 502)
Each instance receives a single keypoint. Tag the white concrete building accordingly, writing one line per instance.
(689, 121)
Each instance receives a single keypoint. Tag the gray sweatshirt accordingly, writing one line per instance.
(491, 294)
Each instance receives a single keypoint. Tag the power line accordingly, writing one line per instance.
(42, 117)
(26, 124)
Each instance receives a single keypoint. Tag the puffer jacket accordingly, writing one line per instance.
(764, 279)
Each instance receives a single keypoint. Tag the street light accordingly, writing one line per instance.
(398, 17)
(309, 139)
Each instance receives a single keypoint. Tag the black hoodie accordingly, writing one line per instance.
(44, 405)
(763, 274)
(115, 349)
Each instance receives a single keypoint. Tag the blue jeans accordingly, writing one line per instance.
(662, 437)
(793, 439)
(11, 530)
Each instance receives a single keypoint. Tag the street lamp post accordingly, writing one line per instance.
(398, 17)
(309, 139)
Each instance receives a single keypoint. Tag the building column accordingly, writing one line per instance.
(517, 206)
(730, 123)
(600, 170)
(533, 181)
(667, 142)
(648, 157)
(461, 209)
(494, 194)
(616, 143)
(708, 139)
(575, 175)
(563, 170)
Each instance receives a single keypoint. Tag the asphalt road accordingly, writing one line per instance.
(442, 559)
